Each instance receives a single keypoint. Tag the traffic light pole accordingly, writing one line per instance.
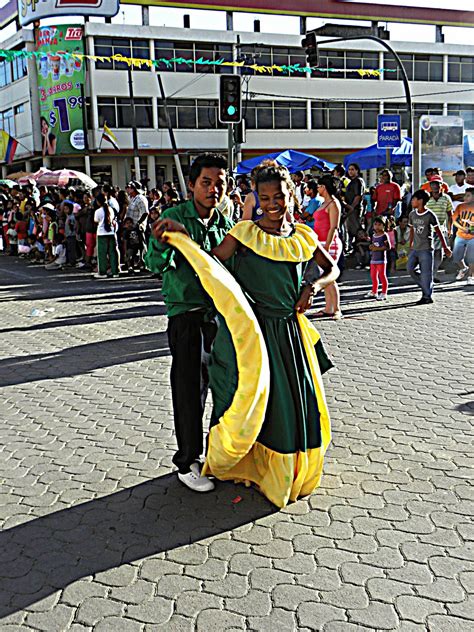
(230, 147)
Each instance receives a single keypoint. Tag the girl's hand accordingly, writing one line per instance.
(305, 300)
(167, 225)
(372, 247)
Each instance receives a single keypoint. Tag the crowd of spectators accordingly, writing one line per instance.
(105, 231)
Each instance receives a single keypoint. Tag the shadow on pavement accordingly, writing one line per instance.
(137, 311)
(82, 359)
(49, 553)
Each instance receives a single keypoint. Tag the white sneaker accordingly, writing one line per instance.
(370, 295)
(461, 274)
(97, 275)
(470, 280)
(195, 481)
(381, 297)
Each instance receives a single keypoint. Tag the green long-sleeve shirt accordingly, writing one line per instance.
(182, 290)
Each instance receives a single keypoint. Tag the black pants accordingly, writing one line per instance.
(189, 335)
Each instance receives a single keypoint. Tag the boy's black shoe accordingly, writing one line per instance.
(424, 301)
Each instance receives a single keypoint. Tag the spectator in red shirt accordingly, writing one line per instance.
(21, 228)
(387, 194)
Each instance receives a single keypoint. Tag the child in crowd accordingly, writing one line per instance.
(21, 228)
(392, 252)
(36, 253)
(70, 233)
(378, 260)
(59, 254)
(132, 240)
(422, 221)
(402, 236)
(12, 236)
(361, 246)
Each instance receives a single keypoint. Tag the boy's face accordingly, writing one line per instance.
(128, 224)
(378, 226)
(416, 203)
(404, 222)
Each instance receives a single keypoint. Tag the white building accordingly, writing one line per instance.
(330, 115)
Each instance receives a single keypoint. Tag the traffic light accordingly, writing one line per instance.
(311, 48)
(230, 99)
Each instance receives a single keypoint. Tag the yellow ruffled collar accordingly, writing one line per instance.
(298, 247)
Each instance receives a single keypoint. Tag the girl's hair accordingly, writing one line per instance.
(108, 212)
(390, 223)
(271, 171)
(356, 167)
(330, 184)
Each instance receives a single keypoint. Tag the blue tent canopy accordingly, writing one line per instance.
(371, 157)
(291, 159)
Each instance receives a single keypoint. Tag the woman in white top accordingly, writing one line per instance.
(107, 250)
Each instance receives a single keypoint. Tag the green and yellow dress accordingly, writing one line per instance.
(270, 422)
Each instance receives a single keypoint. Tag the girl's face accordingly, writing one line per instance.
(274, 199)
(378, 227)
(321, 189)
(44, 126)
(404, 222)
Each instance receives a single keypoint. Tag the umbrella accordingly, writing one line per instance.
(371, 157)
(291, 159)
(19, 174)
(8, 183)
(60, 178)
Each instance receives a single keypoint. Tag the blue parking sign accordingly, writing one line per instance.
(389, 132)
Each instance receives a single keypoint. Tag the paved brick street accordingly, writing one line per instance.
(98, 534)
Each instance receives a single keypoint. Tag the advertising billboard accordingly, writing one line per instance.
(441, 143)
(60, 77)
(412, 11)
(31, 10)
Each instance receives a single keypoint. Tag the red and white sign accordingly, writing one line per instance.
(412, 11)
(31, 10)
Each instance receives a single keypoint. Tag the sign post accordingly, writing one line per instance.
(389, 133)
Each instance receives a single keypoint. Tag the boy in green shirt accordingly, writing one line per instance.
(191, 325)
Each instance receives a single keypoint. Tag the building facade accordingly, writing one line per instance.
(329, 113)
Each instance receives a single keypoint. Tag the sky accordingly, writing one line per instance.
(216, 20)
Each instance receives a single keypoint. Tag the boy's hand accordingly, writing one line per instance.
(169, 225)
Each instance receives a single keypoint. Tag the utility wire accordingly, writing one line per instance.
(253, 94)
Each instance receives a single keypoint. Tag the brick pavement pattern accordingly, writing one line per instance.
(98, 534)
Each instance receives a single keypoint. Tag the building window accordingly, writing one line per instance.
(109, 46)
(193, 52)
(275, 115)
(272, 56)
(190, 114)
(465, 111)
(7, 121)
(5, 73)
(19, 68)
(428, 108)
(345, 62)
(19, 109)
(460, 69)
(350, 115)
(418, 67)
(117, 112)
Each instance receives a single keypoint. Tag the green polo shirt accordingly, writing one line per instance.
(182, 289)
(442, 207)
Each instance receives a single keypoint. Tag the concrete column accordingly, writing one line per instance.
(150, 168)
(381, 64)
(445, 69)
(93, 100)
(4, 172)
(229, 18)
(372, 177)
(308, 114)
(145, 16)
(28, 165)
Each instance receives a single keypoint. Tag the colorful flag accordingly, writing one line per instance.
(110, 137)
(8, 147)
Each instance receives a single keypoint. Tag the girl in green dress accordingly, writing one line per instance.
(268, 259)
